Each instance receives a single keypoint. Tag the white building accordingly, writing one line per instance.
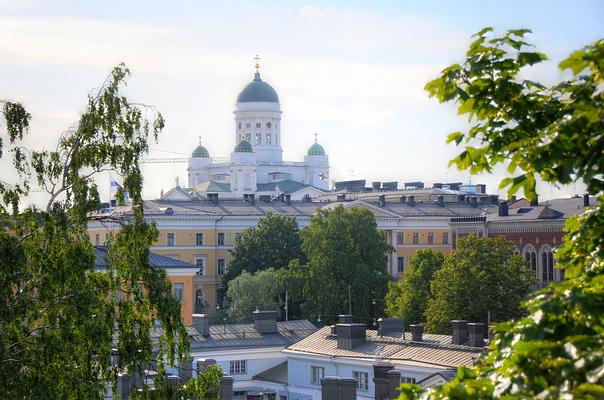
(256, 164)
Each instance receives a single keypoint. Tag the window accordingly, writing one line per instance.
(406, 379)
(430, 237)
(258, 138)
(445, 237)
(362, 380)
(221, 266)
(268, 125)
(238, 367)
(170, 239)
(200, 263)
(199, 239)
(199, 297)
(258, 125)
(415, 237)
(97, 239)
(316, 374)
(220, 239)
(531, 260)
(106, 242)
(400, 238)
(239, 125)
(269, 139)
(401, 264)
(547, 266)
(178, 290)
(248, 126)
(237, 234)
(248, 137)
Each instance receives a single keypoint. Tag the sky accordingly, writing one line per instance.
(351, 71)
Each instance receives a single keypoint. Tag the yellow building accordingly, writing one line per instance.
(202, 232)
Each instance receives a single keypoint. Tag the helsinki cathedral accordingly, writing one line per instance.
(256, 166)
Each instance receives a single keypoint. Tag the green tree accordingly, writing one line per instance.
(60, 318)
(291, 281)
(249, 292)
(409, 296)
(556, 132)
(346, 261)
(271, 244)
(482, 276)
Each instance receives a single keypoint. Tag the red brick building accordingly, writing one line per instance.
(537, 229)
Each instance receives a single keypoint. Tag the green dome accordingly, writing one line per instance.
(244, 147)
(201, 152)
(258, 90)
(316, 150)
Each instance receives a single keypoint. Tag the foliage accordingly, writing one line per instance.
(61, 318)
(409, 296)
(291, 281)
(556, 351)
(249, 292)
(271, 244)
(345, 252)
(481, 276)
(206, 383)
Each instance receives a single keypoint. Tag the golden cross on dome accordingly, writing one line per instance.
(316, 137)
(200, 140)
(257, 58)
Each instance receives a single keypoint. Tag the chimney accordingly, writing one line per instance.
(440, 200)
(185, 371)
(341, 197)
(333, 330)
(394, 381)
(287, 198)
(250, 198)
(380, 380)
(391, 325)
(403, 199)
(503, 209)
(411, 200)
(437, 186)
(481, 188)
(330, 387)
(202, 324)
(460, 331)
(345, 319)
(461, 198)
(350, 335)
(417, 332)
(476, 334)
(586, 200)
(474, 201)
(226, 388)
(382, 200)
(123, 386)
(535, 202)
(203, 364)
(348, 389)
(376, 185)
(265, 321)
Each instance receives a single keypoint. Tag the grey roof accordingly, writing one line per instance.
(234, 336)
(435, 350)
(447, 375)
(553, 209)
(286, 186)
(237, 207)
(155, 260)
(258, 90)
(316, 150)
(200, 151)
(276, 374)
(212, 187)
(243, 147)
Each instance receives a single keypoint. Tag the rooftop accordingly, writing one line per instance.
(233, 336)
(434, 350)
(155, 260)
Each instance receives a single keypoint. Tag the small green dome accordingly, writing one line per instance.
(244, 147)
(316, 150)
(201, 152)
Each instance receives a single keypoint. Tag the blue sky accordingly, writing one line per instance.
(352, 71)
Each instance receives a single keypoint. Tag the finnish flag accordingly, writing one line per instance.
(322, 176)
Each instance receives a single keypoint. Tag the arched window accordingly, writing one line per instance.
(547, 264)
(268, 125)
(530, 255)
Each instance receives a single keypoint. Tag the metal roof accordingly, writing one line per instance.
(258, 90)
(233, 336)
(434, 350)
(155, 260)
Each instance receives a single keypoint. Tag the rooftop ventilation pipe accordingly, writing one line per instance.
(460, 331)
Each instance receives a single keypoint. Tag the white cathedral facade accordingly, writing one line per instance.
(256, 164)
